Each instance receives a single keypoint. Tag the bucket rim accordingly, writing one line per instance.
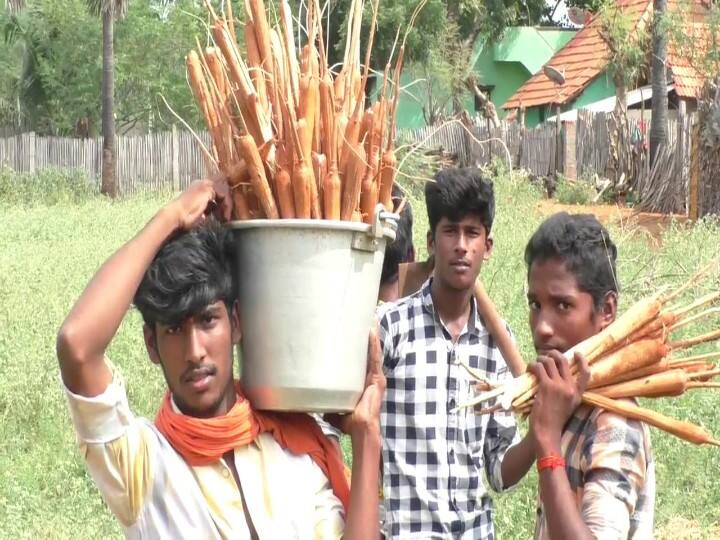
(316, 224)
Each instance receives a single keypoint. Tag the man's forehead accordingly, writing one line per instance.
(553, 277)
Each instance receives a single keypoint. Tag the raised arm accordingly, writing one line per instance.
(93, 321)
(363, 425)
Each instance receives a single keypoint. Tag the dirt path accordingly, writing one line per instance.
(622, 216)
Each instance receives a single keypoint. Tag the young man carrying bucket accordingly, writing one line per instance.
(433, 458)
(596, 470)
(209, 466)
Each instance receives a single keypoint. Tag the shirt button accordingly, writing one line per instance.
(226, 473)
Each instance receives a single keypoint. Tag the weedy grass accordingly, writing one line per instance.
(51, 247)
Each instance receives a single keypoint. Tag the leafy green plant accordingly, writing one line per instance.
(46, 187)
(573, 192)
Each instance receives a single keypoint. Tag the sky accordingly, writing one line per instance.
(561, 11)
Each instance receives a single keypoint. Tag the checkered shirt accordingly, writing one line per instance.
(432, 458)
(611, 471)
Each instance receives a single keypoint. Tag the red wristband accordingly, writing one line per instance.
(552, 461)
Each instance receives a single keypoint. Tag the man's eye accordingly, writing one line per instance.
(564, 306)
(533, 305)
(172, 330)
(208, 319)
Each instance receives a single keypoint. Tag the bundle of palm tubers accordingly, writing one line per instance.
(634, 357)
(294, 139)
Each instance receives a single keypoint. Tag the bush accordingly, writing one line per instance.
(569, 192)
(46, 187)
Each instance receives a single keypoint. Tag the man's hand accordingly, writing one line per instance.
(366, 416)
(200, 199)
(558, 395)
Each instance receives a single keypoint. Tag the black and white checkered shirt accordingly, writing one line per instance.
(433, 459)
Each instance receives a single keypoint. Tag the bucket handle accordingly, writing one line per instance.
(384, 224)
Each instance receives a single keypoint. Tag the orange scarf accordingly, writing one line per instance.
(202, 441)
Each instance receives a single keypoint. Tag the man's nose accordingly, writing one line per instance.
(195, 349)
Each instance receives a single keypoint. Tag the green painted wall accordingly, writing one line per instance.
(506, 77)
(530, 46)
(600, 88)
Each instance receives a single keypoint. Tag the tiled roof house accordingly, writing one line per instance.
(584, 60)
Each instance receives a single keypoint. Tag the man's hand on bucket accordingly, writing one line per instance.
(366, 416)
(199, 200)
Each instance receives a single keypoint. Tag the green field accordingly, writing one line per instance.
(50, 251)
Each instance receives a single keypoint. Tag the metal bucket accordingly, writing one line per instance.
(307, 292)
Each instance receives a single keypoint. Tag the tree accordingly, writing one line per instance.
(13, 6)
(658, 126)
(627, 43)
(109, 10)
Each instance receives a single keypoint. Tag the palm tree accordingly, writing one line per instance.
(658, 125)
(13, 6)
(109, 10)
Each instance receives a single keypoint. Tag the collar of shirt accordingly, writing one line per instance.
(475, 325)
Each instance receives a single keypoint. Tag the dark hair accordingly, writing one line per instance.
(455, 193)
(584, 245)
(401, 249)
(191, 271)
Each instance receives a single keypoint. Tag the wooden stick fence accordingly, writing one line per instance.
(171, 160)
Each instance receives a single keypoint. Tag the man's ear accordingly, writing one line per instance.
(489, 242)
(151, 343)
(235, 323)
(430, 243)
(608, 310)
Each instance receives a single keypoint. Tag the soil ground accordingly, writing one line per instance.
(621, 216)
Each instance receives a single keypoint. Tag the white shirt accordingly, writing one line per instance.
(154, 493)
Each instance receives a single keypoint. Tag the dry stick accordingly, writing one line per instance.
(255, 63)
(249, 107)
(694, 318)
(684, 430)
(289, 43)
(697, 276)
(700, 302)
(704, 356)
(280, 86)
(262, 35)
(217, 86)
(498, 330)
(202, 94)
(366, 71)
(230, 19)
(388, 161)
(694, 384)
(707, 374)
(210, 161)
(691, 342)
